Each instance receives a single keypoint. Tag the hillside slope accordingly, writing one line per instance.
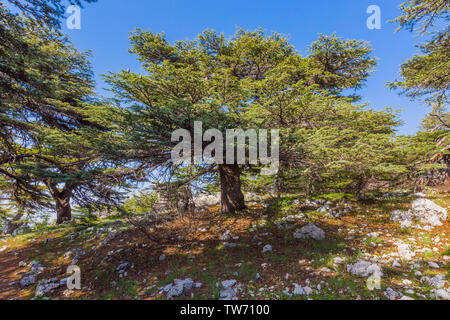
(252, 256)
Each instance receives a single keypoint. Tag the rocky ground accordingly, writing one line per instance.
(393, 247)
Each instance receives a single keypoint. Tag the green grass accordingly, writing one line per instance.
(210, 282)
(128, 288)
(272, 257)
(368, 242)
(405, 231)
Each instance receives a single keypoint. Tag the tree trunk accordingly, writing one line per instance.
(232, 198)
(12, 225)
(63, 209)
(186, 202)
(360, 188)
(62, 201)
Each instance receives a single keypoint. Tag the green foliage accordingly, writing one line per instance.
(426, 74)
(258, 80)
(140, 203)
(56, 141)
(335, 197)
(421, 15)
(42, 223)
(85, 216)
(348, 146)
(47, 12)
(4, 213)
(337, 64)
(281, 205)
(416, 151)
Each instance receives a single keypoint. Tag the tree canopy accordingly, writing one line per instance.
(426, 75)
(61, 144)
(47, 12)
(53, 130)
(255, 80)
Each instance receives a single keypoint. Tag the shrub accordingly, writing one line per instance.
(140, 203)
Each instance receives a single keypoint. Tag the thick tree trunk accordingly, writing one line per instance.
(63, 209)
(62, 201)
(232, 198)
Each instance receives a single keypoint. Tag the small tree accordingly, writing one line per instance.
(140, 203)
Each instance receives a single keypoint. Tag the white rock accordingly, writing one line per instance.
(391, 294)
(298, 289)
(122, 266)
(339, 260)
(428, 212)
(187, 283)
(228, 283)
(226, 236)
(308, 290)
(310, 231)
(405, 218)
(174, 291)
(207, 199)
(267, 248)
(364, 269)
(405, 251)
(406, 282)
(423, 210)
(312, 203)
(442, 294)
(36, 267)
(45, 286)
(433, 265)
(228, 294)
(420, 195)
(178, 286)
(373, 234)
(438, 281)
(28, 280)
(396, 264)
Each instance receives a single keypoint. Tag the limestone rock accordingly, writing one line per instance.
(310, 231)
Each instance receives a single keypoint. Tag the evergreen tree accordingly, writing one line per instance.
(47, 12)
(329, 144)
(53, 132)
(426, 75)
(223, 83)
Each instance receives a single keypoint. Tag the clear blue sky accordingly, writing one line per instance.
(106, 25)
